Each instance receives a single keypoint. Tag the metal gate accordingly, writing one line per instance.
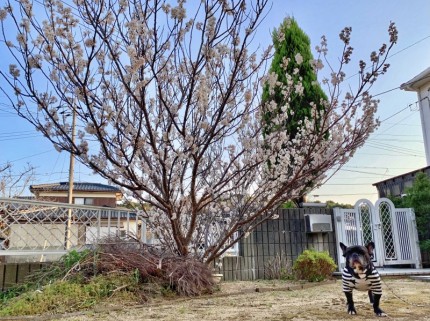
(393, 230)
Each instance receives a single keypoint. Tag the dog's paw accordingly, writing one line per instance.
(380, 313)
(351, 310)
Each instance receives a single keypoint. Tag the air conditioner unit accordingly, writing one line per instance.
(318, 223)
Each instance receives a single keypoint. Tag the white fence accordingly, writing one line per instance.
(35, 228)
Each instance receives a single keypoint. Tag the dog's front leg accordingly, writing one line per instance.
(350, 303)
(370, 293)
(376, 308)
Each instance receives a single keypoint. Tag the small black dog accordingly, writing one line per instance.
(360, 274)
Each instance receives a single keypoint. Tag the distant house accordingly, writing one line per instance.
(47, 224)
(94, 194)
(396, 186)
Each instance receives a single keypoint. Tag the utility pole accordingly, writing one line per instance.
(70, 192)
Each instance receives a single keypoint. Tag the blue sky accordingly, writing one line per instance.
(396, 148)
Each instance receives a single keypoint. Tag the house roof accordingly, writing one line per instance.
(417, 82)
(399, 176)
(77, 186)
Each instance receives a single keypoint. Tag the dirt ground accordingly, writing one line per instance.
(403, 299)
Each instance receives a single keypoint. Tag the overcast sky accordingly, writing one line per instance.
(396, 148)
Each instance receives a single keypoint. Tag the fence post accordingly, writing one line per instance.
(338, 221)
(10, 275)
(2, 276)
(416, 252)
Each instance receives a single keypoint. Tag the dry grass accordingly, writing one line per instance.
(322, 302)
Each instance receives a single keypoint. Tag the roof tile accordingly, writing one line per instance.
(77, 186)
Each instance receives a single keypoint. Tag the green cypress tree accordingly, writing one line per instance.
(291, 42)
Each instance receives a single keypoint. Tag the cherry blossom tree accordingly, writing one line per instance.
(167, 104)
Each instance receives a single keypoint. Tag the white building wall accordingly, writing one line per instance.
(423, 97)
(421, 85)
(40, 236)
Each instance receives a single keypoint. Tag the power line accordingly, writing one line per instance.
(18, 132)
(379, 147)
(379, 167)
(19, 137)
(325, 195)
(395, 124)
(385, 92)
(335, 179)
(45, 174)
(401, 135)
(394, 54)
(18, 159)
(399, 123)
(394, 147)
(397, 140)
(390, 155)
(415, 43)
(395, 114)
(363, 172)
(408, 106)
(347, 184)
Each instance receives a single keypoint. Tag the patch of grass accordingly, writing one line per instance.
(13, 292)
(66, 296)
(182, 310)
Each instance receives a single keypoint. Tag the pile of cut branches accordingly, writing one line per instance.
(183, 275)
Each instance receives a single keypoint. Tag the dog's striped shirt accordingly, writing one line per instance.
(371, 281)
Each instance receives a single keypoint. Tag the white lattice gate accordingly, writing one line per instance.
(393, 230)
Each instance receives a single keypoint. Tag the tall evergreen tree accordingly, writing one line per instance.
(292, 62)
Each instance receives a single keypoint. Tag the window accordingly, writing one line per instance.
(84, 201)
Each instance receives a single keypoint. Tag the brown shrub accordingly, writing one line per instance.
(183, 275)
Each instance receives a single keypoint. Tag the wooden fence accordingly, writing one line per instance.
(12, 274)
(285, 236)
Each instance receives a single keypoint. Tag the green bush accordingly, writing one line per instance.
(313, 266)
(425, 245)
(73, 257)
(418, 197)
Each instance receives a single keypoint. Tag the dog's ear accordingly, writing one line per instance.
(343, 247)
(370, 247)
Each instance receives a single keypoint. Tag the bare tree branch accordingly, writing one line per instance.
(14, 183)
